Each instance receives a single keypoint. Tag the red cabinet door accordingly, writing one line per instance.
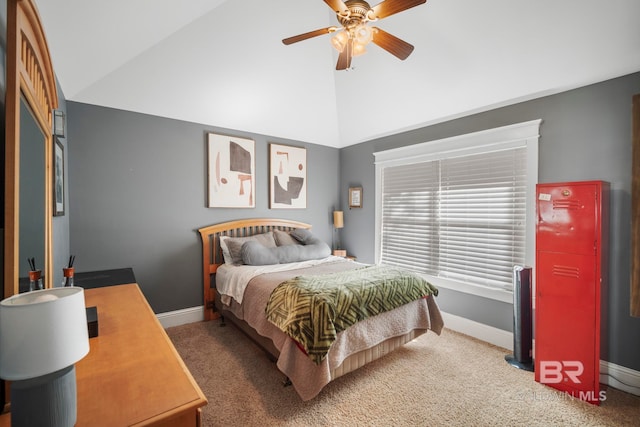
(566, 322)
(567, 218)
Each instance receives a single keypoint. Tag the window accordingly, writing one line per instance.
(459, 210)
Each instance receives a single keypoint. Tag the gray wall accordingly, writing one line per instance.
(585, 135)
(137, 195)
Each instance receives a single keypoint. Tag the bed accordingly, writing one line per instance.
(247, 306)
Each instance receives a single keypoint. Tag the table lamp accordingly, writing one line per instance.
(338, 222)
(42, 335)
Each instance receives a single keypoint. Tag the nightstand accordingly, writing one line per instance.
(343, 253)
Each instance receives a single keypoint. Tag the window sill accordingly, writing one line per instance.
(478, 290)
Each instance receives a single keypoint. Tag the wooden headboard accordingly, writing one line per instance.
(212, 254)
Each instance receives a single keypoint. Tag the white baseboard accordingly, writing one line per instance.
(483, 332)
(619, 377)
(181, 317)
(616, 376)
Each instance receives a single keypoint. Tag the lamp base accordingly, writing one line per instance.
(47, 400)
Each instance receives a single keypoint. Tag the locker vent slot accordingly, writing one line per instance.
(567, 204)
(563, 270)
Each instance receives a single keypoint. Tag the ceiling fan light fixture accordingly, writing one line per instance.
(363, 34)
(354, 35)
(339, 41)
(358, 49)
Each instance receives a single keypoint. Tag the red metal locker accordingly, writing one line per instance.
(571, 267)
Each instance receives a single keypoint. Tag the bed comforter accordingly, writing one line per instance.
(307, 377)
(313, 309)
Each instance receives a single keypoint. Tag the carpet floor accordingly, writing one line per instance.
(446, 380)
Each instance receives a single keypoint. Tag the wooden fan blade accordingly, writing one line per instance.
(338, 6)
(344, 60)
(308, 35)
(391, 43)
(391, 7)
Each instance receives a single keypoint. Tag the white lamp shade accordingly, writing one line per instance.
(42, 332)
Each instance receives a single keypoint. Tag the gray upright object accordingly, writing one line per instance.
(522, 324)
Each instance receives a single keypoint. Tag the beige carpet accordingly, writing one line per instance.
(450, 380)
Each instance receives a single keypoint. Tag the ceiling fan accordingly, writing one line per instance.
(355, 34)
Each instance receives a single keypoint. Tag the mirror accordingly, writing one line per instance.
(32, 195)
(31, 98)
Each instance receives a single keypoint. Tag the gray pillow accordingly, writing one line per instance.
(234, 244)
(304, 236)
(255, 254)
(284, 238)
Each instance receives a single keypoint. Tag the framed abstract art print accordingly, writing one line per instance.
(232, 176)
(287, 177)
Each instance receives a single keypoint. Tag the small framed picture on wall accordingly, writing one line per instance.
(355, 197)
(58, 178)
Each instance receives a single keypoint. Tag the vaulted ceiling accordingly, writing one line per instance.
(222, 62)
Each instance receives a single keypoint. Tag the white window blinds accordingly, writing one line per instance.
(461, 218)
(409, 216)
(456, 209)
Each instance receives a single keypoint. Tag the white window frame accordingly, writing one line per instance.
(524, 134)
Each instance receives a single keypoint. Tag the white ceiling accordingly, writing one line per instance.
(222, 63)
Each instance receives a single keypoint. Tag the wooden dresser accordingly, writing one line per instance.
(132, 375)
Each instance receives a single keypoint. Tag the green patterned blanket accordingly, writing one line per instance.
(313, 309)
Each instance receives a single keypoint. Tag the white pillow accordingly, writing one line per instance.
(225, 250)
